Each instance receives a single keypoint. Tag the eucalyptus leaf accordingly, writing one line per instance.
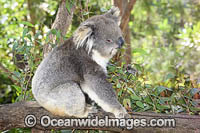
(140, 104)
(135, 97)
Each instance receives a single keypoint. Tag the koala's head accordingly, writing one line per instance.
(100, 34)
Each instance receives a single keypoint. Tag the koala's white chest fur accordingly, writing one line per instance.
(100, 60)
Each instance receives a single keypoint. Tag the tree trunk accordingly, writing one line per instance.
(61, 24)
(125, 10)
(31, 14)
(128, 52)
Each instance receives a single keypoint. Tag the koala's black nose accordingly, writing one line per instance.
(120, 42)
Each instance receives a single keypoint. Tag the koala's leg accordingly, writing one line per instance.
(101, 91)
(65, 99)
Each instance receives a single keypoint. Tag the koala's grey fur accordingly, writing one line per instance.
(78, 67)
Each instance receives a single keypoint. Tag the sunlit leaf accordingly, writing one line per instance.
(140, 51)
(140, 104)
(27, 23)
(135, 97)
(18, 88)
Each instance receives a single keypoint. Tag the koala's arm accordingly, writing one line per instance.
(101, 91)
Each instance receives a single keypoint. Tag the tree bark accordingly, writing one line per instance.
(31, 14)
(125, 10)
(128, 52)
(126, 14)
(13, 116)
(61, 24)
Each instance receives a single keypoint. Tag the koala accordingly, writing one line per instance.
(77, 69)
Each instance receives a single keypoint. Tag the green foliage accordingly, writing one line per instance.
(21, 44)
(137, 94)
(30, 48)
(166, 38)
(166, 46)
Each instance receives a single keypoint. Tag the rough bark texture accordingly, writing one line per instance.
(61, 24)
(13, 116)
(126, 14)
(125, 8)
(31, 14)
(128, 51)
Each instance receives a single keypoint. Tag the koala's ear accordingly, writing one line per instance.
(114, 13)
(83, 35)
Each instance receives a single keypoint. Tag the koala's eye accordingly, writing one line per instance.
(109, 40)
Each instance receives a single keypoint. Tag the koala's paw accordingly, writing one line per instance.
(121, 114)
(91, 110)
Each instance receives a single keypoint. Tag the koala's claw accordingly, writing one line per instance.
(127, 116)
(91, 115)
(91, 110)
(121, 113)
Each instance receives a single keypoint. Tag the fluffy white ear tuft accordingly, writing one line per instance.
(114, 13)
(83, 36)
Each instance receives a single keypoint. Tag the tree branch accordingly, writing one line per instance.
(13, 116)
